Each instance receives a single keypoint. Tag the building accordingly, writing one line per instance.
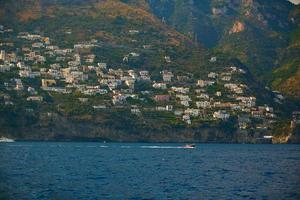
(133, 31)
(186, 118)
(90, 58)
(295, 119)
(132, 74)
(218, 94)
(4, 68)
(102, 65)
(19, 84)
(29, 74)
(221, 114)
(162, 86)
(234, 88)
(135, 110)
(168, 59)
(35, 98)
(192, 112)
(76, 77)
(226, 78)
(130, 83)
(11, 57)
(212, 75)
(2, 55)
(48, 82)
(185, 103)
(31, 91)
(213, 59)
(169, 107)
(83, 100)
(57, 89)
(99, 107)
(203, 104)
(167, 76)
(161, 108)
(183, 97)
(257, 113)
(145, 76)
(182, 90)
(183, 78)
(204, 83)
(247, 101)
(134, 54)
(203, 96)
(159, 98)
(119, 99)
(147, 46)
(178, 112)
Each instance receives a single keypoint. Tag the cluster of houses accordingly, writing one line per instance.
(68, 70)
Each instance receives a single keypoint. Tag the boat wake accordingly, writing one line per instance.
(154, 147)
(113, 146)
(163, 147)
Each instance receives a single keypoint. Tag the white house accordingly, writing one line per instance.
(167, 76)
(162, 86)
(221, 114)
(203, 104)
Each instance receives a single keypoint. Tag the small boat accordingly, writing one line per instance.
(4, 139)
(189, 146)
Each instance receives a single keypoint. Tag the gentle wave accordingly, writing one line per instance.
(19, 145)
(149, 171)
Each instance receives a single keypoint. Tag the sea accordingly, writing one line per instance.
(91, 170)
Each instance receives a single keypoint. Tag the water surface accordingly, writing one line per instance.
(41, 170)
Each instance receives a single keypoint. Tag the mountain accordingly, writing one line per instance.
(242, 47)
(237, 28)
(233, 27)
(286, 78)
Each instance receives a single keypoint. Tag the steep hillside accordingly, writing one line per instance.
(286, 79)
(259, 21)
(234, 27)
(121, 26)
(97, 16)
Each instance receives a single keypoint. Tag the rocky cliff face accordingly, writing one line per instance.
(55, 129)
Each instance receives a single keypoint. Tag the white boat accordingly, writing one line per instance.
(189, 146)
(4, 139)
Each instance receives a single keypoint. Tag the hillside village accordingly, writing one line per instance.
(35, 67)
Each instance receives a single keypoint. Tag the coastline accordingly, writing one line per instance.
(273, 141)
(70, 131)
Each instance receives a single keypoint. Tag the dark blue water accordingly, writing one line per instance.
(143, 171)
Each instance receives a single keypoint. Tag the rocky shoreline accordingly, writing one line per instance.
(100, 134)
